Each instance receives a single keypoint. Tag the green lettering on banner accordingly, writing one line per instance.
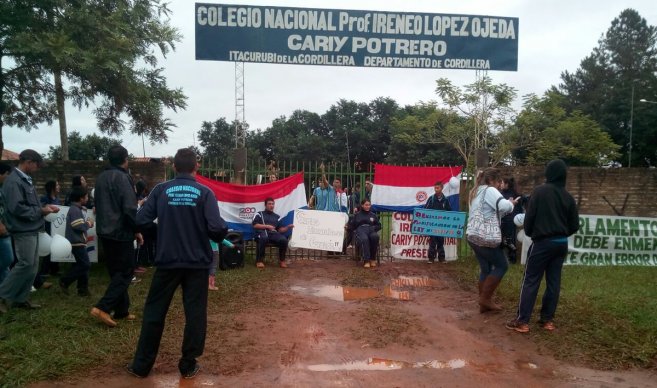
(614, 240)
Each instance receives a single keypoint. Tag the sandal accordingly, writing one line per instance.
(549, 326)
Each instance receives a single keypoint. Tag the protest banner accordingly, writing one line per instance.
(613, 240)
(408, 246)
(317, 229)
(58, 226)
(430, 222)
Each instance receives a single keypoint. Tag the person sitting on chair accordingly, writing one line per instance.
(365, 225)
(269, 230)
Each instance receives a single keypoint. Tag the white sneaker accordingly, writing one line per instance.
(33, 289)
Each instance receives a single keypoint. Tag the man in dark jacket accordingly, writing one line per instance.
(116, 211)
(188, 216)
(269, 230)
(550, 218)
(437, 201)
(24, 215)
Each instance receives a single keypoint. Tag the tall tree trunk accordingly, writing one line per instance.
(2, 103)
(61, 113)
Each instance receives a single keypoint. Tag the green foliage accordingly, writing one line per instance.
(605, 317)
(545, 130)
(624, 60)
(486, 108)
(107, 53)
(578, 140)
(217, 138)
(91, 147)
(416, 135)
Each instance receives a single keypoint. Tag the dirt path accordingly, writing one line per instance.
(304, 336)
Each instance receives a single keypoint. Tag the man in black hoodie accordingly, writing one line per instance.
(550, 218)
(188, 216)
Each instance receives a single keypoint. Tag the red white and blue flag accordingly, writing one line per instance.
(238, 204)
(402, 188)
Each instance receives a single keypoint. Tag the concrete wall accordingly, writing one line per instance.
(619, 191)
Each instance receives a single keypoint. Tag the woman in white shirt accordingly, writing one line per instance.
(492, 261)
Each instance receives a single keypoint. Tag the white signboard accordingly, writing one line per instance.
(317, 229)
(404, 245)
(58, 226)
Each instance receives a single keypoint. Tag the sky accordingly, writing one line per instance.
(554, 36)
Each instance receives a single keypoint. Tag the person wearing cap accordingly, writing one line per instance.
(24, 215)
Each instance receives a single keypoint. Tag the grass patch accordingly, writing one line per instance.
(605, 318)
(382, 324)
(61, 338)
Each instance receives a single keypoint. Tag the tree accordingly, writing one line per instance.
(545, 130)
(97, 47)
(91, 147)
(486, 108)
(25, 95)
(602, 87)
(301, 137)
(417, 136)
(217, 138)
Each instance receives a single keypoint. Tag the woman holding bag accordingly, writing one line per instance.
(487, 207)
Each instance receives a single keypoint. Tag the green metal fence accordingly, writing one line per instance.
(259, 171)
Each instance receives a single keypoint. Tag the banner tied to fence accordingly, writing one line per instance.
(405, 245)
(612, 240)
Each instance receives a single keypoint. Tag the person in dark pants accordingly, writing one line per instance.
(366, 226)
(76, 234)
(270, 230)
(48, 267)
(551, 217)
(116, 212)
(507, 225)
(188, 215)
(437, 201)
(24, 218)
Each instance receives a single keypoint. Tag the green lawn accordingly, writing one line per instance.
(607, 316)
(61, 338)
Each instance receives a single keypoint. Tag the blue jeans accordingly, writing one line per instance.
(492, 261)
(16, 287)
(544, 257)
(6, 256)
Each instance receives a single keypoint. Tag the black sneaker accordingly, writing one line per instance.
(84, 293)
(63, 287)
(192, 373)
(131, 371)
(431, 261)
(27, 305)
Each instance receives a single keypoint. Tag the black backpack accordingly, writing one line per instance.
(232, 257)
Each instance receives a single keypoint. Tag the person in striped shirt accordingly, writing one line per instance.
(76, 233)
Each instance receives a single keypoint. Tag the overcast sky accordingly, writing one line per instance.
(554, 36)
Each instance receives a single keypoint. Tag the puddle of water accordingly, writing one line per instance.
(413, 281)
(386, 364)
(342, 294)
(395, 294)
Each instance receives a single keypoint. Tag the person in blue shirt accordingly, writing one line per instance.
(270, 230)
(437, 201)
(188, 215)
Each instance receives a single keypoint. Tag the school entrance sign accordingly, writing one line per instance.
(310, 36)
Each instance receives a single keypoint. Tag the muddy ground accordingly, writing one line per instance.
(415, 328)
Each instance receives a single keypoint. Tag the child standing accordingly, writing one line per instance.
(76, 234)
(215, 262)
